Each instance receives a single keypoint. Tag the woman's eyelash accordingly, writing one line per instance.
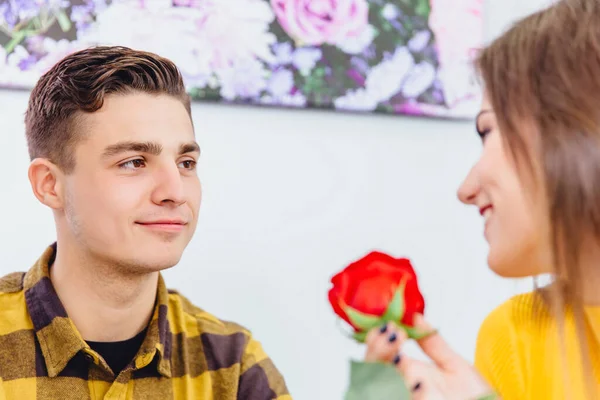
(483, 132)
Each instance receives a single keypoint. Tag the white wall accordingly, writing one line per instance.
(290, 197)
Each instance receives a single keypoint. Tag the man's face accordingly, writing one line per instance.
(134, 195)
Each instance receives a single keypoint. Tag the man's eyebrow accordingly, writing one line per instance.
(191, 147)
(140, 147)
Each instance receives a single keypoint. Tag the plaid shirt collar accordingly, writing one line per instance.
(60, 340)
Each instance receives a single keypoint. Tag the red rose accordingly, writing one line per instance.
(376, 289)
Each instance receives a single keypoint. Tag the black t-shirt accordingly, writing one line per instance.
(119, 354)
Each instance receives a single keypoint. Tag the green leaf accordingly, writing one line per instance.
(375, 381)
(395, 310)
(363, 322)
(423, 8)
(416, 334)
(15, 41)
(63, 21)
(491, 396)
(360, 337)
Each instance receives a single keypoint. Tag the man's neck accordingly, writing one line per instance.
(104, 303)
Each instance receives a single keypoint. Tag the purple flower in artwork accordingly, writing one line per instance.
(360, 64)
(369, 52)
(25, 9)
(7, 17)
(13, 11)
(410, 107)
(419, 41)
(438, 95)
(27, 62)
(283, 53)
(21, 58)
(82, 15)
(281, 82)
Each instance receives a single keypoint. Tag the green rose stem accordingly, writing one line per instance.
(376, 380)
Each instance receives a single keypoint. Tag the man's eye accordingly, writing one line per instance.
(133, 164)
(188, 164)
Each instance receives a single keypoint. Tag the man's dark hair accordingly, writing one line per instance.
(79, 84)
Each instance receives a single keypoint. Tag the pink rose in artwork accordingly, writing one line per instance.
(314, 22)
(458, 29)
(458, 26)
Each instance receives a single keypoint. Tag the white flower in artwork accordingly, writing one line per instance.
(3, 65)
(13, 71)
(356, 100)
(19, 56)
(234, 29)
(390, 11)
(201, 40)
(386, 79)
(293, 100)
(458, 29)
(460, 85)
(357, 44)
(54, 51)
(151, 26)
(419, 79)
(244, 79)
(305, 59)
(289, 100)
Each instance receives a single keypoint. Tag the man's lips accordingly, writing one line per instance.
(164, 224)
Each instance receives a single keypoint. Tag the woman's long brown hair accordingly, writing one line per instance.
(542, 77)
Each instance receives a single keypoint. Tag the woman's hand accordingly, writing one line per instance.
(447, 377)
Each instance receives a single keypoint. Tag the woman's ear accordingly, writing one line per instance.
(46, 180)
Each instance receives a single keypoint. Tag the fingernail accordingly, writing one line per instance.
(383, 329)
(417, 387)
(397, 359)
(393, 338)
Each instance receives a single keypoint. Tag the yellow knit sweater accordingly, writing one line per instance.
(519, 353)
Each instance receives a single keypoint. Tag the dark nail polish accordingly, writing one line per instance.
(417, 387)
(383, 329)
(397, 359)
(393, 338)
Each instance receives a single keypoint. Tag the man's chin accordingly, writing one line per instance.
(160, 261)
(153, 260)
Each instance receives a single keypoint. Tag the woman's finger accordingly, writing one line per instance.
(413, 371)
(436, 348)
(421, 378)
(384, 343)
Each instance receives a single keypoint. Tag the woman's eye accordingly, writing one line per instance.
(483, 133)
(133, 164)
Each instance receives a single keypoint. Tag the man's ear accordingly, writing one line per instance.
(47, 182)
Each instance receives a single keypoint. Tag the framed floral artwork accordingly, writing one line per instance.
(396, 56)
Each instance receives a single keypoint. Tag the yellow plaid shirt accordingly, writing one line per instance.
(186, 354)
